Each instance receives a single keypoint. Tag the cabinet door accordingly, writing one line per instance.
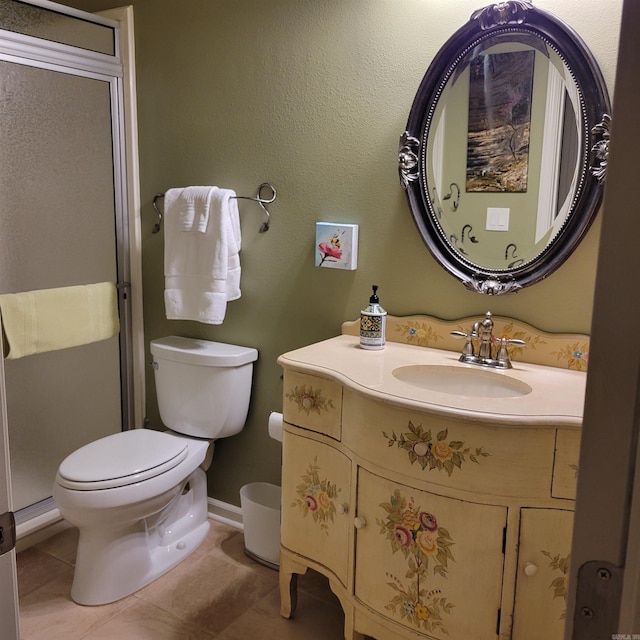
(543, 574)
(431, 563)
(316, 523)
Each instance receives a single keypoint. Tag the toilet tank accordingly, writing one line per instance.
(203, 387)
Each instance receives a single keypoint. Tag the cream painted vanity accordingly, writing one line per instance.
(433, 513)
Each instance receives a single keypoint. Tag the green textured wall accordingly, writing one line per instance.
(313, 95)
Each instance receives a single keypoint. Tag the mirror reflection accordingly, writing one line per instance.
(494, 201)
(500, 158)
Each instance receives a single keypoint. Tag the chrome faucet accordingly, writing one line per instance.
(479, 345)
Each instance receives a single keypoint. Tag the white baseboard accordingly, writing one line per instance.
(226, 513)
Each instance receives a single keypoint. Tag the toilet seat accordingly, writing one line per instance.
(122, 459)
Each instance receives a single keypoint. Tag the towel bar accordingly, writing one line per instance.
(257, 198)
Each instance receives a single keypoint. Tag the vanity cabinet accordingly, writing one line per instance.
(428, 524)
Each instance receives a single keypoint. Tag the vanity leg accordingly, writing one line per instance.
(347, 608)
(349, 632)
(289, 571)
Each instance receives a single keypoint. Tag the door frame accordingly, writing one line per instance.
(607, 517)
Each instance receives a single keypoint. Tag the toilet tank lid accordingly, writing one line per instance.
(203, 352)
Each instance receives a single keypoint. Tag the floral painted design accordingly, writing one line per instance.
(417, 534)
(532, 340)
(309, 400)
(575, 355)
(419, 333)
(316, 497)
(432, 453)
(559, 584)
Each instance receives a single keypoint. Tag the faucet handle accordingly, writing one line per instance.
(516, 341)
(503, 353)
(467, 350)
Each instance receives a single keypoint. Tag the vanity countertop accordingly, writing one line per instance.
(556, 396)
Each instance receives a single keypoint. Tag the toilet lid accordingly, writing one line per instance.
(121, 459)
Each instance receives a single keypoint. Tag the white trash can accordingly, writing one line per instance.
(261, 506)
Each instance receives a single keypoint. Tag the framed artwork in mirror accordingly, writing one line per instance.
(500, 95)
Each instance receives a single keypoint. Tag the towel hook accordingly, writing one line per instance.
(262, 202)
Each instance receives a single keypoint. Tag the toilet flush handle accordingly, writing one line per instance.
(154, 365)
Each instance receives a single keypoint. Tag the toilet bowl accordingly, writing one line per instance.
(139, 497)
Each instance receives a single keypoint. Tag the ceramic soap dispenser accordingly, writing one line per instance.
(373, 321)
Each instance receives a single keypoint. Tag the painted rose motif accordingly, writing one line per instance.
(442, 451)
(402, 536)
(324, 502)
(428, 521)
(416, 534)
(433, 453)
(427, 542)
(316, 497)
(311, 503)
(309, 400)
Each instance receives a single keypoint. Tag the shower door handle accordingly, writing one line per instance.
(7, 532)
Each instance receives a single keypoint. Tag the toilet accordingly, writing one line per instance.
(139, 497)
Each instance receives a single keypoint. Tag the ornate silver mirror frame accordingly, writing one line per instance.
(514, 24)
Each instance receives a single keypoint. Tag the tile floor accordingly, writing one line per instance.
(217, 592)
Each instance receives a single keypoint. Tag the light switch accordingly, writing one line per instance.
(497, 219)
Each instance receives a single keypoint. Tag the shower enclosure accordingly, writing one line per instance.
(64, 220)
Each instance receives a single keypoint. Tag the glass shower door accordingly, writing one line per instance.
(57, 228)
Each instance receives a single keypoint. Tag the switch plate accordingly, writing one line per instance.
(497, 219)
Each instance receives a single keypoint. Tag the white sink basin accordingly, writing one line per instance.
(462, 381)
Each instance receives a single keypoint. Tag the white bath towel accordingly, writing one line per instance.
(52, 319)
(202, 270)
(191, 205)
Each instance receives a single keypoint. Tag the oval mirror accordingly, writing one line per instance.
(505, 153)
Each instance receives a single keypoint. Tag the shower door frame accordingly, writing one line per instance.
(9, 612)
(120, 68)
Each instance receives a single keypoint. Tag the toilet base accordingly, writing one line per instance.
(113, 563)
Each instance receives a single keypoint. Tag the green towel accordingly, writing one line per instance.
(52, 319)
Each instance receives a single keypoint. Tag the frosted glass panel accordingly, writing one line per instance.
(42, 23)
(57, 228)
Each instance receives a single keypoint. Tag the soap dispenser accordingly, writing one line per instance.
(373, 323)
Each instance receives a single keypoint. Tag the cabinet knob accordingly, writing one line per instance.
(342, 508)
(530, 569)
(359, 522)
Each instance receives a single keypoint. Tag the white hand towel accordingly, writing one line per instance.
(202, 270)
(191, 205)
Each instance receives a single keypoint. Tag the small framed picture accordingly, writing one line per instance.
(337, 245)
